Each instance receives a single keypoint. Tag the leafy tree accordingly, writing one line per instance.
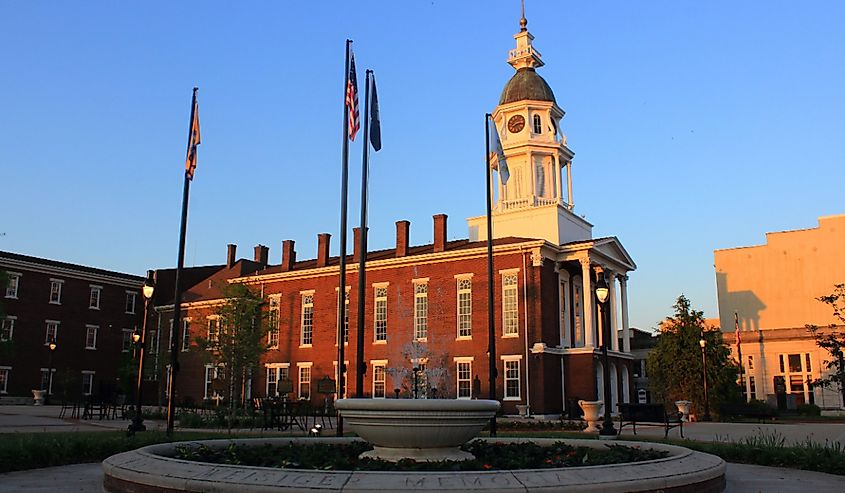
(674, 366)
(240, 340)
(832, 341)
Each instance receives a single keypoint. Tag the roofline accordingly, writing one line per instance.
(55, 267)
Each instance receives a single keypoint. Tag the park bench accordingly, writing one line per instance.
(649, 415)
(760, 413)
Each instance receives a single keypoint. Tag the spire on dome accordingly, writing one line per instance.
(525, 55)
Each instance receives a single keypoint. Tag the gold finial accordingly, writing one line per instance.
(523, 22)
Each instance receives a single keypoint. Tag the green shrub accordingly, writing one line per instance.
(809, 410)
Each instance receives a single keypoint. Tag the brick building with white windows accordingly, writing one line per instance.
(89, 313)
(426, 305)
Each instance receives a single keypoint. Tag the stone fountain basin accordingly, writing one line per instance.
(421, 429)
(152, 469)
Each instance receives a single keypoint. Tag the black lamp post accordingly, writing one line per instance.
(137, 423)
(52, 347)
(703, 343)
(607, 429)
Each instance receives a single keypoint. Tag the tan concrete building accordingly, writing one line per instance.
(773, 289)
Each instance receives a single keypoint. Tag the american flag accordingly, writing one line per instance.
(193, 139)
(352, 98)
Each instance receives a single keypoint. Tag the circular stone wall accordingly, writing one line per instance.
(150, 470)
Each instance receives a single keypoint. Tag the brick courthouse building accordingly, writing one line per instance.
(426, 305)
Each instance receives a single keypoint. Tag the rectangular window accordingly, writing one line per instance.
(464, 374)
(7, 329)
(130, 301)
(750, 362)
(512, 379)
(420, 311)
(345, 319)
(213, 381)
(213, 332)
(46, 381)
(378, 379)
(464, 308)
(13, 285)
(782, 367)
(273, 322)
(186, 334)
(126, 340)
(52, 332)
(94, 299)
(91, 336)
(380, 311)
(56, 291)
(752, 386)
(4, 379)
(510, 305)
(154, 341)
(276, 372)
(305, 382)
(87, 382)
(794, 363)
(807, 367)
(307, 332)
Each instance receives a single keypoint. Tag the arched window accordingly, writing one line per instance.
(538, 128)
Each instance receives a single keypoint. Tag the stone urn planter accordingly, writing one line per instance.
(522, 409)
(419, 429)
(38, 397)
(683, 408)
(592, 414)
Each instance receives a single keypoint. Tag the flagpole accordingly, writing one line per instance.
(341, 292)
(360, 367)
(491, 332)
(738, 339)
(177, 297)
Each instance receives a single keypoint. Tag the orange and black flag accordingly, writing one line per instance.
(193, 139)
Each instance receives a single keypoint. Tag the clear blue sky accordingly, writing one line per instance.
(696, 125)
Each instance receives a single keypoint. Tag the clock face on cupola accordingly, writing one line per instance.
(516, 123)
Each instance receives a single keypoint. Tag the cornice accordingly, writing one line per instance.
(25, 266)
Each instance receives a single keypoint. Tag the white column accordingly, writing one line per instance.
(563, 309)
(626, 332)
(614, 322)
(569, 197)
(587, 295)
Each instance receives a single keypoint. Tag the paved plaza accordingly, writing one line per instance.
(741, 478)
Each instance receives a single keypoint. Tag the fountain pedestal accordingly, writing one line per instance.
(419, 429)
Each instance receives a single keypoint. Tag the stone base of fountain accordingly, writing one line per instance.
(153, 469)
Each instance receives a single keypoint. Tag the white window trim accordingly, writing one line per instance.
(47, 323)
(375, 286)
(277, 329)
(186, 331)
(346, 328)
(96, 334)
(511, 357)
(299, 367)
(91, 373)
(51, 371)
(457, 360)
(134, 302)
(12, 319)
(458, 291)
(8, 370)
(122, 333)
(17, 276)
(206, 382)
(99, 290)
(383, 364)
(61, 283)
(302, 295)
(415, 282)
(502, 274)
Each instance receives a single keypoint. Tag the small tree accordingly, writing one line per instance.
(833, 341)
(240, 340)
(674, 366)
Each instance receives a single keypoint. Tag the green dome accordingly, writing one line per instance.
(526, 84)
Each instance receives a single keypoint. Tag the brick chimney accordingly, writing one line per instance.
(231, 255)
(439, 232)
(356, 248)
(323, 240)
(262, 254)
(288, 255)
(403, 230)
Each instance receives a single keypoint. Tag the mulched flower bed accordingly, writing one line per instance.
(489, 456)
